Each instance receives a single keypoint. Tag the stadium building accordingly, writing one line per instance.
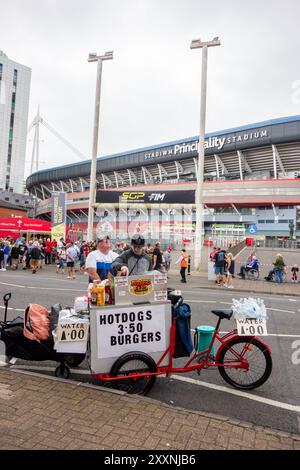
(251, 173)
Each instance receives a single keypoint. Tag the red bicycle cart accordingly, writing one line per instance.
(244, 362)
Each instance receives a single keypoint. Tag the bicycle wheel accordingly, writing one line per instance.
(255, 353)
(135, 363)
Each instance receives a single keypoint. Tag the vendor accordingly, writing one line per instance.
(133, 261)
(99, 261)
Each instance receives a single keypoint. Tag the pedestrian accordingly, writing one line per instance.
(157, 257)
(61, 260)
(183, 262)
(22, 253)
(48, 251)
(295, 270)
(279, 267)
(168, 258)
(133, 261)
(99, 262)
(2, 257)
(229, 271)
(35, 255)
(14, 253)
(71, 256)
(7, 253)
(220, 265)
(212, 254)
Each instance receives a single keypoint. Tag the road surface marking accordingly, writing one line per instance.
(11, 308)
(292, 300)
(201, 301)
(266, 401)
(279, 310)
(42, 288)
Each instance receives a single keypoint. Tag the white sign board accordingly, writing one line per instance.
(252, 326)
(76, 331)
(132, 328)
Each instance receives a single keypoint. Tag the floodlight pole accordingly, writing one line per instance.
(98, 59)
(196, 44)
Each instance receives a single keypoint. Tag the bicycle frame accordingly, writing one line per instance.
(206, 359)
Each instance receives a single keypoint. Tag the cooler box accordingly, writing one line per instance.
(149, 287)
(116, 330)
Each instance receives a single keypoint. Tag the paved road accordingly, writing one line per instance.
(276, 404)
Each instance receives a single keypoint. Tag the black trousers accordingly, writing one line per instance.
(47, 258)
(182, 273)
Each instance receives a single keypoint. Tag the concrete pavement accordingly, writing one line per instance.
(38, 412)
(199, 280)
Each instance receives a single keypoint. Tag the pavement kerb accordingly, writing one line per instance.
(237, 423)
(248, 291)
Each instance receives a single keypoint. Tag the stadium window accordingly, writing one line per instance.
(261, 221)
(283, 221)
(269, 221)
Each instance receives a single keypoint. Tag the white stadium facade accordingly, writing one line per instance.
(251, 184)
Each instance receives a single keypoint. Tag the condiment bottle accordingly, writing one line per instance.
(94, 293)
(100, 296)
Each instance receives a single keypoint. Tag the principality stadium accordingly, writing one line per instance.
(251, 182)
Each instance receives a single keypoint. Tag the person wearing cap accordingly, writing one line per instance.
(133, 261)
(99, 262)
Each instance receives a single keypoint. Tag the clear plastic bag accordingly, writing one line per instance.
(249, 308)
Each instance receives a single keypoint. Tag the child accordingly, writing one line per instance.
(295, 270)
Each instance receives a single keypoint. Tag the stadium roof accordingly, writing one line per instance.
(273, 131)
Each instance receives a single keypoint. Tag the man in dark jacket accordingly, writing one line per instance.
(35, 256)
(133, 261)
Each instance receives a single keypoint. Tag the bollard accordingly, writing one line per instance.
(189, 265)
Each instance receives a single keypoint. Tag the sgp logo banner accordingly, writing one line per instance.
(146, 197)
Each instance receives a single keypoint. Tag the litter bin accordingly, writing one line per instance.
(202, 339)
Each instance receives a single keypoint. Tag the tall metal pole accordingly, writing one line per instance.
(95, 152)
(198, 44)
(95, 58)
(200, 166)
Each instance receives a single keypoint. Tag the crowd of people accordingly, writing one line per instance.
(70, 257)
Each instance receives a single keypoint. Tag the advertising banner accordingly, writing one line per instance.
(146, 197)
(58, 216)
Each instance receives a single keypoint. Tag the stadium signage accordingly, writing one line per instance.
(217, 143)
(145, 197)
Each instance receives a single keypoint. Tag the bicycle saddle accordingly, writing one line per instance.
(223, 313)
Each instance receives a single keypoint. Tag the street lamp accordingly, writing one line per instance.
(93, 57)
(198, 44)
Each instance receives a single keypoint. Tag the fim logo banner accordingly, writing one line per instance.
(296, 354)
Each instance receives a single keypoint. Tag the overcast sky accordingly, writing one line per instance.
(151, 90)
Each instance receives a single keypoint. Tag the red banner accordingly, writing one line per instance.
(23, 224)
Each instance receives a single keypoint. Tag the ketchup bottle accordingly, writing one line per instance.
(108, 295)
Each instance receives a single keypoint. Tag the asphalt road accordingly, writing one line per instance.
(276, 404)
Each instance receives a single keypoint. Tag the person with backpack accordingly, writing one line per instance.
(220, 265)
(183, 262)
